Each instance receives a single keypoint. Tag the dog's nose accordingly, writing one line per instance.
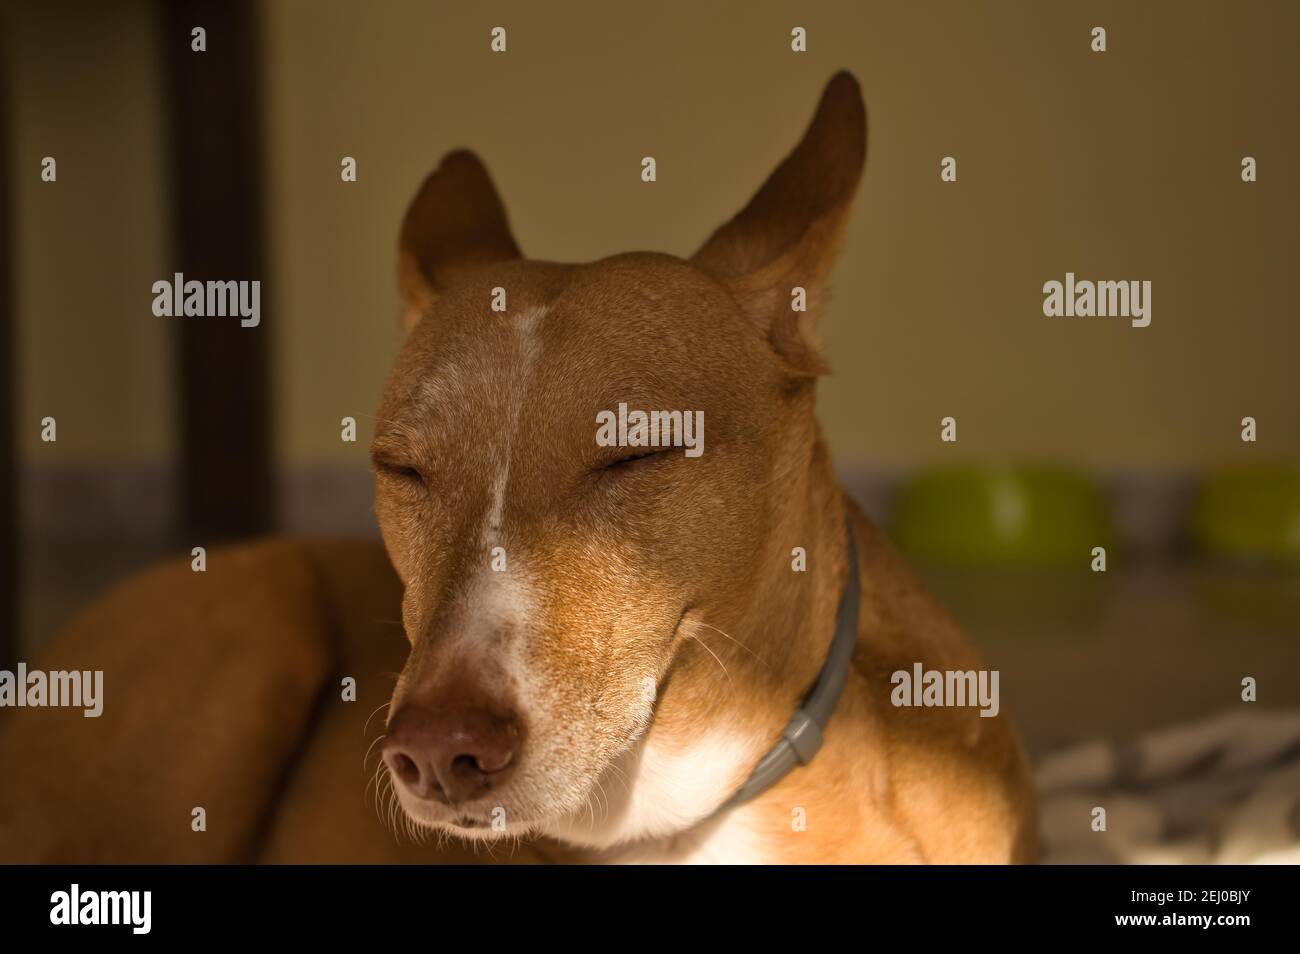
(453, 754)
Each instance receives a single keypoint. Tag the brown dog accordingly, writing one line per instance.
(604, 640)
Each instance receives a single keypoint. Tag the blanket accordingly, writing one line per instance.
(1225, 790)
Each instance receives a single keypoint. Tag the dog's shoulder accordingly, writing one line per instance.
(946, 769)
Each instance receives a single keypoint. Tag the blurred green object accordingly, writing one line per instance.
(1025, 514)
(1250, 513)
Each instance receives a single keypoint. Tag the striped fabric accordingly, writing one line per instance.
(1225, 790)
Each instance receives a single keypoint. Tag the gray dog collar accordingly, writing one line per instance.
(802, 736)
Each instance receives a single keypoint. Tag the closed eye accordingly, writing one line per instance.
(398, 471)
(628, 461)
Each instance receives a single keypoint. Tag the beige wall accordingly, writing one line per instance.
(84, 88)
(1122, 165)
(1115, 166)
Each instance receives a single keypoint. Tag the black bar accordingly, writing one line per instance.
(226, 470)
(863, 907)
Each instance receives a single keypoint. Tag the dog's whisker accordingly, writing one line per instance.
(622, 776)
(395, 813)
(706, 648)
(378, 782)
(381, 420)
(387, 797)
(720, 632)
(604, 799)
(372, 715)
(592, 796)
(374, 780)
(369, 748)
(365, 792)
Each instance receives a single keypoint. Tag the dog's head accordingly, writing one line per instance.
(553, 565)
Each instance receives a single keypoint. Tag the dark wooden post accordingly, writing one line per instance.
(9, 523)
(226, 470)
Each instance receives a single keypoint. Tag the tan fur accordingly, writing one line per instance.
(676, 573)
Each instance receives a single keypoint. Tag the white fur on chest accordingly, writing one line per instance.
(658, 801)
(731, 840)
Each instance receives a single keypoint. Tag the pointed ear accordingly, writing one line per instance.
(455, 221)
(789, 234)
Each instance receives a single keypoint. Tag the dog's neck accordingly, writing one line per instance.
(712, 726)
